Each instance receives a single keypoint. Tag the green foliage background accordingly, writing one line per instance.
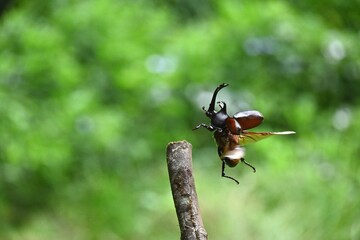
(91, 92)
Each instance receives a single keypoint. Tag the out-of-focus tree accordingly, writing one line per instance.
(92, 91)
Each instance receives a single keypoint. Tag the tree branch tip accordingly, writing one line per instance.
(181, 142)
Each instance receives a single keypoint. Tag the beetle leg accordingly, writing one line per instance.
(224, 175)
(208, 127)
(220, 151)
(243, 160)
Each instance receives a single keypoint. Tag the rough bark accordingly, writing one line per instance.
(179, 161)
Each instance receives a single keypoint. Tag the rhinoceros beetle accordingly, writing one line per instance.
(230, 132)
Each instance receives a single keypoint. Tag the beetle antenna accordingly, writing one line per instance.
(224, 175)
(243, 160)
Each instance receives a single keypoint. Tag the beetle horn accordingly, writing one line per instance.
(211, 108)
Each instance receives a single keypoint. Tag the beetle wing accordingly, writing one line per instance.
(251, 137)
(249, 119)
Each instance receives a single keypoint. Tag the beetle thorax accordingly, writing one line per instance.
(218, 120)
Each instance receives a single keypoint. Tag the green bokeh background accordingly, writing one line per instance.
(92, 91)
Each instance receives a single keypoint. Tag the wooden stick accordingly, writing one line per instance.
(179, 161)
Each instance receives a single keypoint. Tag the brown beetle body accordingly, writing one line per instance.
(230, 132)
(229, 149)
